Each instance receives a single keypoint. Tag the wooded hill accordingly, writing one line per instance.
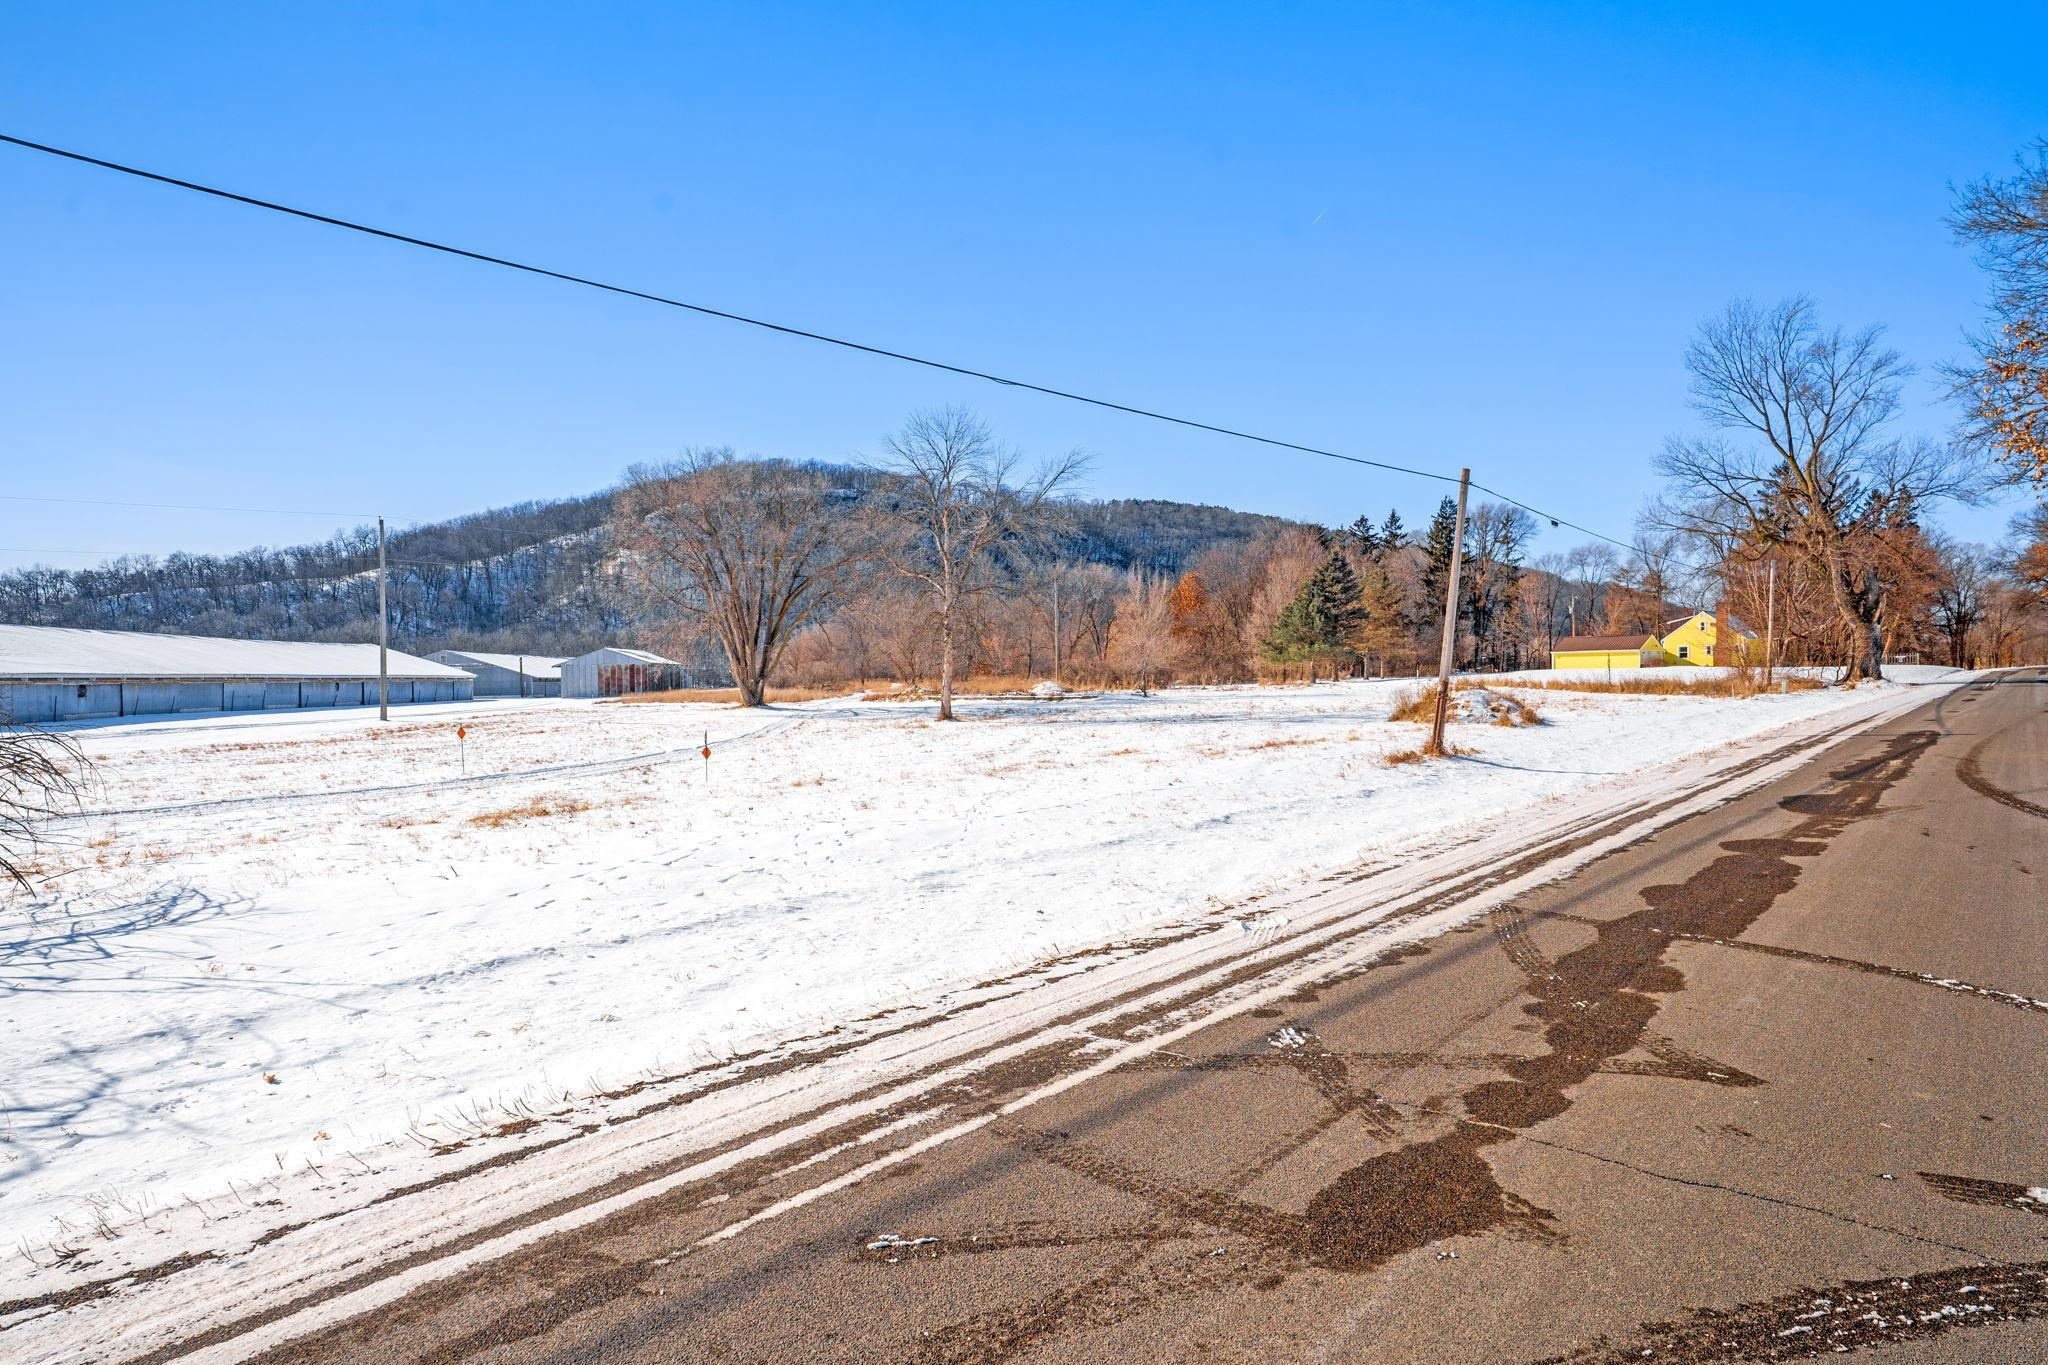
(534, 576)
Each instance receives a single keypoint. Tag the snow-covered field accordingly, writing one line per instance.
(302, 935)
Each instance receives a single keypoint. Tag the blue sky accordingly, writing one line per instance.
(1435, 235)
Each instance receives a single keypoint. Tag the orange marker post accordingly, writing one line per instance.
(707, 760)
(462, 747)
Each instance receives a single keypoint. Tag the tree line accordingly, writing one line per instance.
(948, 556)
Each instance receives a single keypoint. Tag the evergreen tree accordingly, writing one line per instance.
(1436, 556)
(1318, 625)
(1365, 538)
(1393, 535)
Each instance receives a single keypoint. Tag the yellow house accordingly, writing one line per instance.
(1693, 640)
(1607, 652)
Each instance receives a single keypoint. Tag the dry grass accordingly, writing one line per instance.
(1402, 757)
(407, 821)
(1419, 706)
(534, 808)
(1518, 714)
(1284, 743)
(994, 685)
(1725, 685)
(730, 696)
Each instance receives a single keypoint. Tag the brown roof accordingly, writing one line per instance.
(1573, 644)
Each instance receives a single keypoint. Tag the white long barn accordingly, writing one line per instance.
(506, 675)
(54, 673)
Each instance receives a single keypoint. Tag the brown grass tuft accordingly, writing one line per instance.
(1284, 743)
(534, 808)
(1401, 757)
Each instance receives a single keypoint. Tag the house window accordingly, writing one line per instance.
(1685, 651)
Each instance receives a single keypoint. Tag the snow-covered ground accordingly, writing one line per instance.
(302, 935)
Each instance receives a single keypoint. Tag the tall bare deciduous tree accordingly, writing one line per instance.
(1590, 568)
(950, 509)
(2005, 394)
(750, 551)
(1803, 458)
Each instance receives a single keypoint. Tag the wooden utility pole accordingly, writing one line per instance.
(1055, 623)
(1770, 617)
(383, 634)
(1443, 665)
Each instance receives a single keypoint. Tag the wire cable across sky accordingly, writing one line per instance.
(785, 329)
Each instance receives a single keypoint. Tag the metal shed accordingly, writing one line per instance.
(612, 672)
(53, 673)
(506, 675)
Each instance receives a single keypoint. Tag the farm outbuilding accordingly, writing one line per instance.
(1607, 652)
(617, 672)
(506, 675)
(54, 673)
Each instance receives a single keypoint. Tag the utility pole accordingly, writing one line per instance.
(1055, 623)
(1443, 666)
(1770, 617)
(383, 634)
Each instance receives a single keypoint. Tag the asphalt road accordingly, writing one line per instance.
(1765, 1085)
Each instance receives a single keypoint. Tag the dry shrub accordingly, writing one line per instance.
(534, 808)
(1419, 706)
(1518, 713)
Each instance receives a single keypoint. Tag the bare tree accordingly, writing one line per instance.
(750, 550)
(1087, 610)
(1496, 535)
(2005, 395)
(1636, 600)
(1141, 638)
(1591, 567)
(950, 509)
(2029, 557)
(41, 775)
(1959, 599)
(1810, 465)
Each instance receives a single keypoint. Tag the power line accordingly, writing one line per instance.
(784, 329)
(187, 507)
(48, 550)
(707, 311)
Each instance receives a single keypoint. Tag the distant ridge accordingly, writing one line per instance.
(532, 576)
